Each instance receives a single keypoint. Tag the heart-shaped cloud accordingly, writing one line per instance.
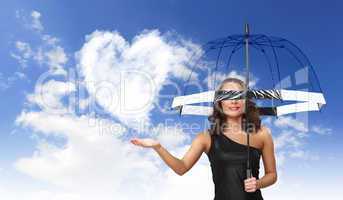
(125, 79)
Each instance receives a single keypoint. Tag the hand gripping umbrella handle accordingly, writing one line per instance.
(249, 174)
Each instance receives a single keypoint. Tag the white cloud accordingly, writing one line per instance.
(322, 130)
(219, 77)
(85, 103)
(48, 52)
(24, 53)
(36, 23)
(24, 48)
(285, 139)
(7, 82)
(56, 58)
(92, 164)
(284, 122)
(48, 95)
(31, 21)
(300, 188)
(280, 159)
(125, 78)
(170, 136)
(290, 138)
(305, 155)
(50, 40)
(90, 154)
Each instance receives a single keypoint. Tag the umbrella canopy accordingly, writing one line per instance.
(277, 74)
(285, 75)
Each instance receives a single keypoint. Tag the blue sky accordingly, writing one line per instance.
(308, 162)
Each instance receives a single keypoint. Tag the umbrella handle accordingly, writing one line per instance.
(249, 174)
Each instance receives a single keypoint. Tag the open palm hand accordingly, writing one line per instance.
(145, 142)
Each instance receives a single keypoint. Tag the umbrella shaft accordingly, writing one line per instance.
(246, 125)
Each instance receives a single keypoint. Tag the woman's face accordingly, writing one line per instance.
(233, 108)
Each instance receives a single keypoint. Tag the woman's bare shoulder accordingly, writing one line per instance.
(204, 136)
(266, 134)
(265, 130)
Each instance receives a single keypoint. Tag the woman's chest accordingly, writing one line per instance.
(229, 152)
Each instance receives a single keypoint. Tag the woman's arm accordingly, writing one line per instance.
(268, 157)
(181, 166)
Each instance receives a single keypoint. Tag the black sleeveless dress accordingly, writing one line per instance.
(228, 164)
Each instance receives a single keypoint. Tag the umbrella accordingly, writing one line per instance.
(287, 78)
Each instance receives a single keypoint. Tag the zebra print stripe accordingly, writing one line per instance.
(257, 94)
(265, 94)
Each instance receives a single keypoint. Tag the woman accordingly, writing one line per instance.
(225, 145)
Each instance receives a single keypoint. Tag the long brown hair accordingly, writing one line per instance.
(218, 118)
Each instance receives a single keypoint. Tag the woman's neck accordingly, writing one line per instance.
(234, 124)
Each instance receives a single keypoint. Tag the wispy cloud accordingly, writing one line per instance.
(7, 82)
(31, 21)
(305, 155)
(36, 24)
(48, 52)
(290, 122)
(322, 130)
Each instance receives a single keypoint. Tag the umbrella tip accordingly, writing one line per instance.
(247, 29)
